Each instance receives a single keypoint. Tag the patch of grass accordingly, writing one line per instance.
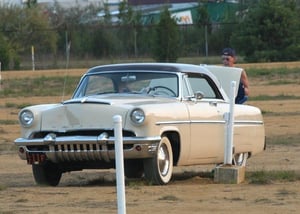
(235, 199)
(287, 114)
(282, 82)
(22, 200)
(264, 112)
(260, 72)
(6, 212)
(268, 177)
(169, 198)
(2, 187)
(290, 140)
(10, 105)
(265, 97)
(285, 192)
(8, 122)
(263, 200)
(8, 147)
(18, 106)
(136, 183)
(23, 105)
(39, 86)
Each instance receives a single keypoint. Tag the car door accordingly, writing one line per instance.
(207, 124)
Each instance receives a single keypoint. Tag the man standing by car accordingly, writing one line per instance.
(229, 58)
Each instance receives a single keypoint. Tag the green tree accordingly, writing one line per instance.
(4, 53)
(166, 40)
(129, 31)
(31, 3)
(104, 42)
(269, 31)
(204, 25)
(77, 26)
(26, 27)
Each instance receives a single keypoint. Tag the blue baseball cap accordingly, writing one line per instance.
(228, 52)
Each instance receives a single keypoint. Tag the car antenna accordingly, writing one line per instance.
(68, 48)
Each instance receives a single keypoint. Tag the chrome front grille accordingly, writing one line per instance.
(81, 152)
(86, 148)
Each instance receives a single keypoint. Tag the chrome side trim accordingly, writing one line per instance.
(209, 121)
(173, 122)
(236, 122)
(248, 122)
(191, 122)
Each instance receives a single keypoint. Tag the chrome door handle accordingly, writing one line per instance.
(213, 103)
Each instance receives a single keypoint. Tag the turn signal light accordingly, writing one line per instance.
(138, 148)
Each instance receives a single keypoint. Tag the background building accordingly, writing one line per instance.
(63, 3)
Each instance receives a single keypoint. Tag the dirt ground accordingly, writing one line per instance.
(94, 191)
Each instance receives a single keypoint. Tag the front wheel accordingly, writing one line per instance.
(133, 168)
(47, 174)
(158, 170)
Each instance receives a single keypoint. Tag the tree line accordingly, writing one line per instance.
(261, 31)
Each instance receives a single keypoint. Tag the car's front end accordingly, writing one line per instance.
(83, 130)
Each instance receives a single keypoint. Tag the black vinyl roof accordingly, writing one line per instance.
(170, 67)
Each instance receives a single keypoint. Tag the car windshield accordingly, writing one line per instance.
(130, 82)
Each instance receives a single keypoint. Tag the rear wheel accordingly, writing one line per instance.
(240, 159)
(159, 169)
(47, 174)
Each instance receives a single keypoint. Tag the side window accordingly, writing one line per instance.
(199, 83)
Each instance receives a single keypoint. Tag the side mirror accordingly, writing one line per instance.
(199, 95)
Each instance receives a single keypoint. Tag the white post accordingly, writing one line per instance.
(32, 57)
(0, 76)
(119, 164)
(229, 117)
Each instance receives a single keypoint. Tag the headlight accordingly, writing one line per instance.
(137, 116)
(26, 118)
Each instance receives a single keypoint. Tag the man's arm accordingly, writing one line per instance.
(245, 81)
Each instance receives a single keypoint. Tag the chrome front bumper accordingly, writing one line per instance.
(85, 148)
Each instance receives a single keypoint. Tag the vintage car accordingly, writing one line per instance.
(171, 115)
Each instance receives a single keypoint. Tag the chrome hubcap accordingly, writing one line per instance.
(163, 160)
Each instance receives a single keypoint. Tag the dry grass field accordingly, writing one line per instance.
(189, 192)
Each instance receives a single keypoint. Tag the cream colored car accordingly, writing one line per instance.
(172, 115)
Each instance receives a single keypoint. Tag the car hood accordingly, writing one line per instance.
(95, 112)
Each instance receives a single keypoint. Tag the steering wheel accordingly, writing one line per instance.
(162, 87)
